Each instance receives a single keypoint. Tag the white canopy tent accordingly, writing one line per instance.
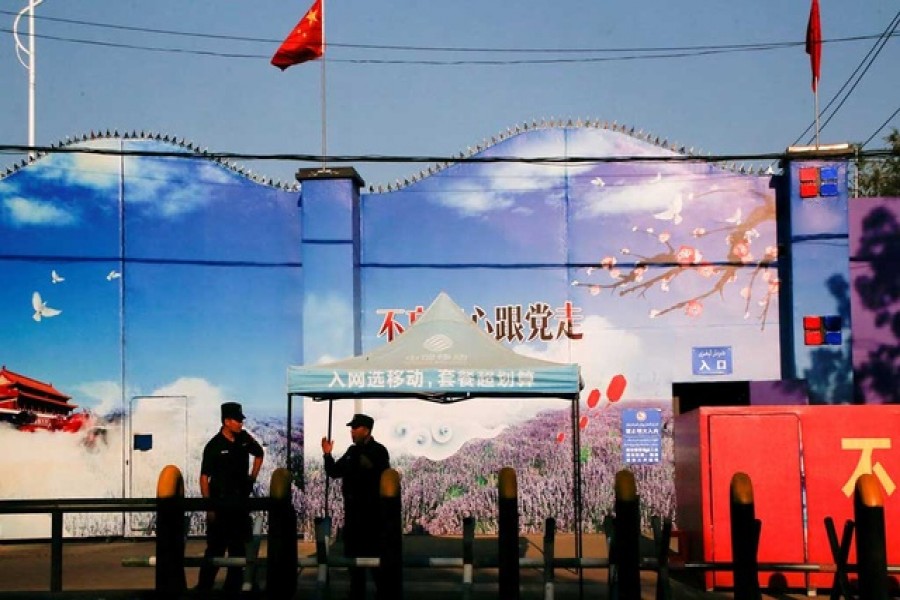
(443, 357)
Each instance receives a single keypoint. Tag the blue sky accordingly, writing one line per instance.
(746, 102)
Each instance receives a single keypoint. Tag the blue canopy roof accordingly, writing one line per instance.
(443, 357)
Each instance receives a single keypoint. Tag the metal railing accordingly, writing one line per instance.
(624, 561)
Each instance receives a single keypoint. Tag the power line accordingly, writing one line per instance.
(882, 38)
(861, 75)
(193, 34)
(653, 52)
(138, 47)
(880, 127)
(643, 54)
(196, 34)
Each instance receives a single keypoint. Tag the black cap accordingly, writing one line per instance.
(361, 419)
(232, 410)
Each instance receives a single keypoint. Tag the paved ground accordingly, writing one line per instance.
(94, 570)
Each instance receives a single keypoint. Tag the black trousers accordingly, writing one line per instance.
(229, 531)
(362, 538)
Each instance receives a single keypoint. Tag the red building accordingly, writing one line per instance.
(32, 404)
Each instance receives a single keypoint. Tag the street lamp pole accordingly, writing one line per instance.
(30, 65)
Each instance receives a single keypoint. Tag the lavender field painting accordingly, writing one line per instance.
(438, 495)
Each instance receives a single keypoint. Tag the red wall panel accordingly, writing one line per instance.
(839, 444)
(767, 448)
(786, 450)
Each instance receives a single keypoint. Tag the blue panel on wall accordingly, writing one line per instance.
(831, 322)
(833, 338)
(828, 188)
(828, 173)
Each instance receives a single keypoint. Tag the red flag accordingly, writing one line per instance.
(305, 42)
(814, 42)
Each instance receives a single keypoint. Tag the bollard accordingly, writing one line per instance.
(390, 571)
(662, 537)
(625, 552)
(281, 565)
(609, 530)
(745, 530)
(323, 533)
(56, 550)
(170, 579)
(468, 556)
(549, 558)
(871, 545)
(508, 539)
(251, 553)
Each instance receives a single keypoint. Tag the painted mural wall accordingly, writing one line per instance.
(150, 289)
(172, 285)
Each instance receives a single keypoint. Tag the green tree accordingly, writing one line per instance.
(881, 177)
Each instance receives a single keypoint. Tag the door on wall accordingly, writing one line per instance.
(767, 448)
(158, 429)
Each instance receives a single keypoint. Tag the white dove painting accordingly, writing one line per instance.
(673, 213)
(113, 275)
(56, 277)
(41, 309)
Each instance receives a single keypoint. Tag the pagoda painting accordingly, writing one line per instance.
(29, 404)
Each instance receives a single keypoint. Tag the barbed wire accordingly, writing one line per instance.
(379, 158)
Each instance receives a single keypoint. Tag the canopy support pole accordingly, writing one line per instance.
(327, 478)
(290, 405)
(576, 486)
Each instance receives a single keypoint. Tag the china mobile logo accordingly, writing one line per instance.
(866, 446)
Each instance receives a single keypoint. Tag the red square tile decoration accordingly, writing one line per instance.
(813, 337)
(809, 174)
(809, 190)
(812, 322)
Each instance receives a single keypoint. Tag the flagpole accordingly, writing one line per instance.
(816, 93)
(306, 42)
(324, 104)
(814, 49)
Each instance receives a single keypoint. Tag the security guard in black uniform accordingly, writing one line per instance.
(224, 477)
(360, 468)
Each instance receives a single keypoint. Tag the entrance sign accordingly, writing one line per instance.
(711, 360)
